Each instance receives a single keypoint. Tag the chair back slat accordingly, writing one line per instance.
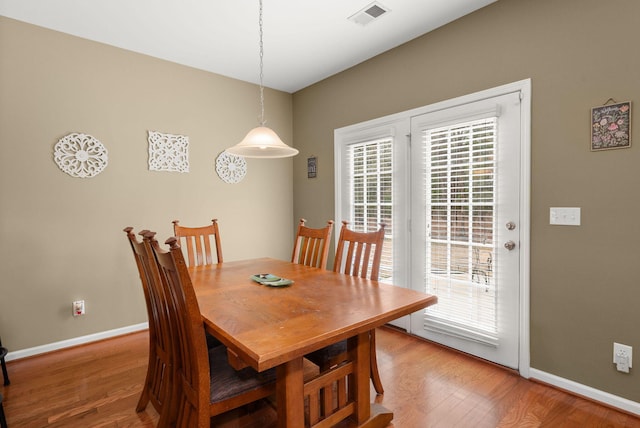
(359, 253)
(311, 247)
(197, 241)
(311, 250)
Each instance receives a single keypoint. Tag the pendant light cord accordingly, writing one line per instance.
(262, 121)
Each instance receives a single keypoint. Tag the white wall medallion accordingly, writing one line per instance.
(168, 152)
(80, 155)
(231, 168)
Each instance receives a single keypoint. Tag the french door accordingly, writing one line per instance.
(465, 226)
(450, 180)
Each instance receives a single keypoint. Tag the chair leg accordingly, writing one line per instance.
(145, 395)
(3, 420)
(375, 374)
(5, 373)
(144, 398)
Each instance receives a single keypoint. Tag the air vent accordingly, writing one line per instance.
(369, 13)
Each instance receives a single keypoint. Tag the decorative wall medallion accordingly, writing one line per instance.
(168, 152)
(231, 168)
(80, 155)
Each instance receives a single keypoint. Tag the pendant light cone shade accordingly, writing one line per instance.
(262, 142)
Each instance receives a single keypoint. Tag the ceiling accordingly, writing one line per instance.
(304, 41)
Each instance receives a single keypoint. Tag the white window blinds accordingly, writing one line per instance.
(371, 193)
(460, 183)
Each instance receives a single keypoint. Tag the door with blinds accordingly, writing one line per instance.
(466, 170)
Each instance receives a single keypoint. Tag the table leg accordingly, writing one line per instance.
(361, 351)
(290, 394)
(367, 415)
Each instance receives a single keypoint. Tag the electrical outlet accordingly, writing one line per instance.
(78, 308)
(622, 357)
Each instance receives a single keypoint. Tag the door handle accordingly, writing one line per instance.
(509, 245)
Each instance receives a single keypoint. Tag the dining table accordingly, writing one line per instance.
(274, 325)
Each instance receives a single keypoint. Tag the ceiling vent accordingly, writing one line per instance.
(369, 13)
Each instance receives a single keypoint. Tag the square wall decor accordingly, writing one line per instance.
(168, 152)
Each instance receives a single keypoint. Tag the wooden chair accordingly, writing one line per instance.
(197, 241)
(311, 247)
(357, 254)
(3, 419)
(3, 353)
(157, 385)
(205, 384)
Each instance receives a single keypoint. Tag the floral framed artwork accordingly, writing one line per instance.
(611, 126)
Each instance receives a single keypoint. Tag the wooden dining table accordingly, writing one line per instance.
(265, 327)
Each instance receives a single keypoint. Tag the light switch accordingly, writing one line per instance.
(564, 216)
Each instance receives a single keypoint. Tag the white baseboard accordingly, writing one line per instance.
(23, 353)
(586, 391)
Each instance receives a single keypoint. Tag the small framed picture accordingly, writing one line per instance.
(312, 167)
(611, 126)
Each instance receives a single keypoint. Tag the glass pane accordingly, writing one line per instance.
(460, 223)
(358, 190)
(460, 197)
(459, 266)
(439, 223)
(483, 225)
(372, 193)
(386, 188)
(372, 189)
(439, 258)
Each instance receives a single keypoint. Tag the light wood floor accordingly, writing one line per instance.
(97, 385)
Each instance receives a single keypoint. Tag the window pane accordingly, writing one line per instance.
(460, 199)
(372, 193)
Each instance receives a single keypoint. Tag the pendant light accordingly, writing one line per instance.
(262, 142)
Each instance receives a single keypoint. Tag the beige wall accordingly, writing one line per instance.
(61, 238)
(585, 281)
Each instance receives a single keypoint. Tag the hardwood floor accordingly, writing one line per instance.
(98, 385)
